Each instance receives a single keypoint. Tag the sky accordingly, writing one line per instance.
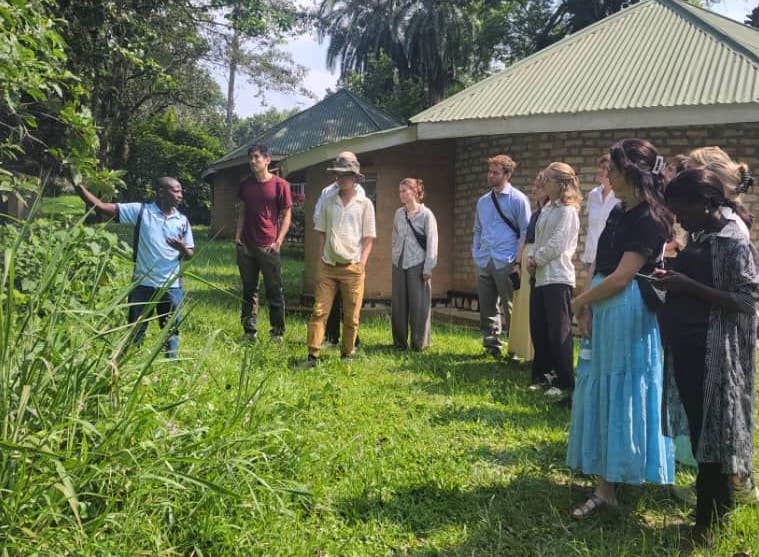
(307, 51)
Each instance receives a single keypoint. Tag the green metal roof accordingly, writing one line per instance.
(338, 116)
(655, 54)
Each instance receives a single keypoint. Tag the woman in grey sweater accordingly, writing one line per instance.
(414, 256)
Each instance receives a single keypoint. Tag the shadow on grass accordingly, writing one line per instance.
(526, 516)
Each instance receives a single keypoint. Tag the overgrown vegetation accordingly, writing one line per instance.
(229, 451)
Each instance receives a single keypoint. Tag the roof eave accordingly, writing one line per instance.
(360, 144)
(598, 120)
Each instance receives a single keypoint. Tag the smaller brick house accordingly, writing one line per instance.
(664, 70)
(338, 116)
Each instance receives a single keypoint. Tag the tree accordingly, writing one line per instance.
(382, 85)
(433, 40)
(245, 37)
(136, 58)
(246, 129)
(752, 19)
(44, 122)
(163, 146)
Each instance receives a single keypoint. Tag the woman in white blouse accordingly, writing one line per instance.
(550, 261)
(414, 256)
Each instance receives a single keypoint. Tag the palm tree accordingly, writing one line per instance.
(358, 30)
(432, 40)
(439, 40)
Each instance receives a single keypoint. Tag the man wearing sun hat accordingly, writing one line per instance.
(346, 226)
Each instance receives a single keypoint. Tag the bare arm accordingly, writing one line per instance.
(322, 238)
(240, 222)
(366, 248)
(179, 245)
(89, 198)
(283, 229)
(617, 281)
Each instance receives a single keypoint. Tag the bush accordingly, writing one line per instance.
(163, 147)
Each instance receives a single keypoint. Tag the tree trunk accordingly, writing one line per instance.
(234, 53)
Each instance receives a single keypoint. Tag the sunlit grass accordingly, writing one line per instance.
(230, 451)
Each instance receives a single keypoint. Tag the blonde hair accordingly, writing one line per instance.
(504, 161)
(735, 176)
(565, 176)
(416, 185)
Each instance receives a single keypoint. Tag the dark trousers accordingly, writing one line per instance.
(332, 331)
(251, 261)
(551, 331)
(714, 490)
(144, 300)
(411, 308)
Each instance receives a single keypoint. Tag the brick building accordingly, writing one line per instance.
(679, 76)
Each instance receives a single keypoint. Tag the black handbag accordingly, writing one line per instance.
(420, 238)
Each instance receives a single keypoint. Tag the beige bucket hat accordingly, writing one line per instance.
(347, 163)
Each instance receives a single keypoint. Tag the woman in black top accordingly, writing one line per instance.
(709, 325)
(616, 419)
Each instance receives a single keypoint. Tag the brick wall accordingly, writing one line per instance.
(532, 152)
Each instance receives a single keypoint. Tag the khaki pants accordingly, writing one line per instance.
(350, 280)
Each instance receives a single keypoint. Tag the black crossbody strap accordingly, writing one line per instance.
(420, 238)
(136, 240)
(504, 217)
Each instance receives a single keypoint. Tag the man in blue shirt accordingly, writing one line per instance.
(163, 238)
(495, 245)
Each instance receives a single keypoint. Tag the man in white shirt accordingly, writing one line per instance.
(332, 331)
(601, 200)
(347, 229)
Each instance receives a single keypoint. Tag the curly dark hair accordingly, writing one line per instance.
(702, 186)
(635, 159)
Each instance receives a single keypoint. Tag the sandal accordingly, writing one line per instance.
(593, 505)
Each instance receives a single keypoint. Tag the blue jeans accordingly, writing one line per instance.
(145, 300)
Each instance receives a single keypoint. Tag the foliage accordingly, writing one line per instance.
(106, 451)
(162, 146)
(430, 40)
(44, 123)
(92, 260)
(752, 19)
(381, 84)
(247, 129)
(136, 58)
(297, 232)
(246, 39)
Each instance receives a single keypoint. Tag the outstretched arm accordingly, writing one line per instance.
(101, 206)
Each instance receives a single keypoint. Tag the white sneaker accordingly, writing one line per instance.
(554, 392)
(536, 387)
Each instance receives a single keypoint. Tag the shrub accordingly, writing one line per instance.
(164, 147)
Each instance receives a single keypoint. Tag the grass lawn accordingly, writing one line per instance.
(441, 453)
(230, 451)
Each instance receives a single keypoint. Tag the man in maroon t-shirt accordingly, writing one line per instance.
(263, 219)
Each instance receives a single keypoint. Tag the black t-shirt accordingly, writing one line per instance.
(530, 234)
(634, 230)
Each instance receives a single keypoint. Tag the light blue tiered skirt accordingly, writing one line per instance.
(616, 410)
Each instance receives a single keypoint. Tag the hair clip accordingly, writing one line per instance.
(747, 180)
(658, 165)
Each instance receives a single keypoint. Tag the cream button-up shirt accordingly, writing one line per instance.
(555, 244)
(344, 226)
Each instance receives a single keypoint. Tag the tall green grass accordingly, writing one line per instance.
(105, 449)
